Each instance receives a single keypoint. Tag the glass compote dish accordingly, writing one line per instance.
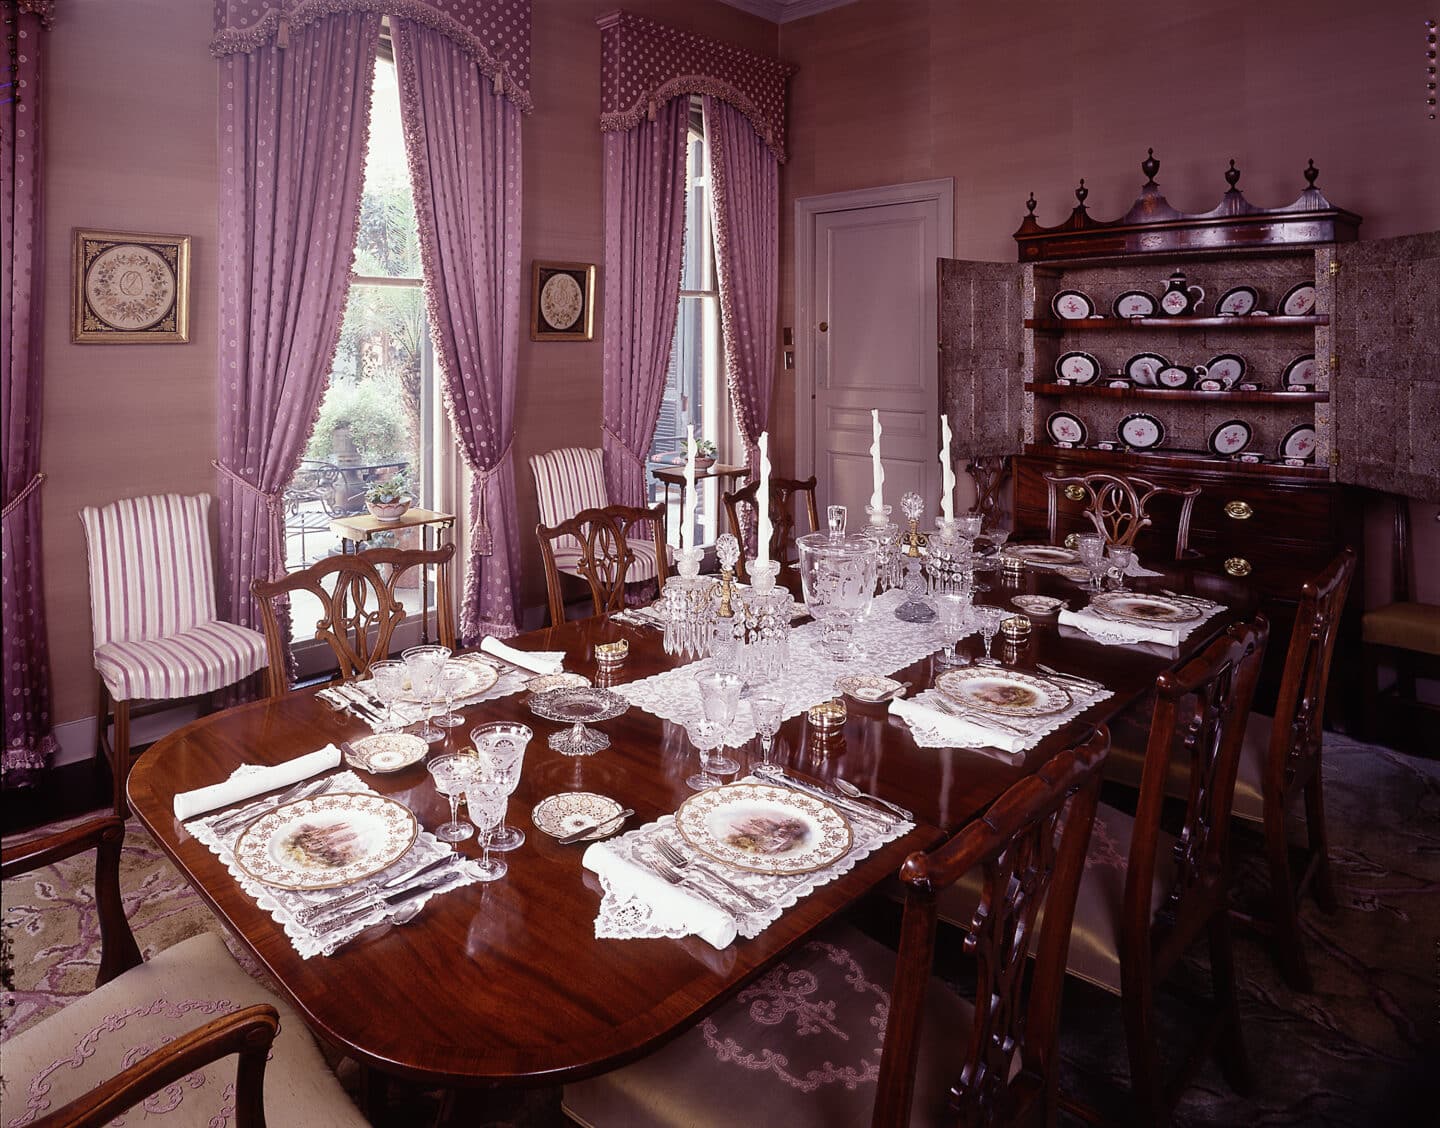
(768, 711)
(423, 664)
(487, 797)
(720, 701)
(1119, 557)
(989, 619)
(578, 704)
(1091, 549)
(500, 746)
(837, 574)
(452, 774)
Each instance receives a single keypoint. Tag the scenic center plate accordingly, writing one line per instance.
(1127, 607)
(764, 828)
(1004, 692)
(326, 841)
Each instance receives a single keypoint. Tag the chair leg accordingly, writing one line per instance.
(102, 721)
(1147, 1085)
(1369, 692)
(1230, 1045)
(1319, 842)
(120, 768)
(1284, 914)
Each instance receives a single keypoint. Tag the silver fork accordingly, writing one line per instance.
(252, 811)
(663, 869)
(680, 861)
(981, 718)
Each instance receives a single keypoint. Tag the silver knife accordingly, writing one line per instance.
(253, 811)
(392, 899)
(858, 810)
(373, 889)
(592, 826)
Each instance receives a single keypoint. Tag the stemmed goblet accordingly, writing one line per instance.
(720, 699)
(501, 746)
(1119, 557)
(989, 620)
(451, 678)
(1091, 549)
(387, 683)
(487, 797)
(423, 664)
(706, 736)
(768, 710)
(452, 775)
(954, 622)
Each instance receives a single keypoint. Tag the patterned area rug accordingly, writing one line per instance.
(1358, 1052)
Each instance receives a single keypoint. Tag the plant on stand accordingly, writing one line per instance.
(388, 500)
(705, 453)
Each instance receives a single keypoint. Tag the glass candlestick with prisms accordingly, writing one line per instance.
(917, 607)
(949, 560)
(885, 533)
(686, 606)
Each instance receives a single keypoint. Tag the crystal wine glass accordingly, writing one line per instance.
(706, 736)
(720, 700)
(387, 682)
(989, 620)
(954, 623)
(452, 774)
(1119, 557)
(487, 798)
(1091, 548)
(768, 711)
(423, 664)
(451, 678)
(501, 746)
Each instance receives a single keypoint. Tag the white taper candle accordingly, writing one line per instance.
(687, 507)
(947, 472)
(877, 495)
(762, 503)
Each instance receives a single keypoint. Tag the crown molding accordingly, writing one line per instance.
(784, 11)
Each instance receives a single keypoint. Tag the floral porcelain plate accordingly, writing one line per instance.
(326, 841)
(1142, 368)
(1127, 607)
(563, 680)
(1300, 372)
(1134, 303)
(1072, 305)
(568, 811)
(1141, 431)
(764, 828)
(1230, 438)
(1299, 300)
(1238, 301)
(1299, 442)
(1004, 692)
(868, 688)
(386, 752)
(1228, 368)
(1066, 428)
(1078, 368)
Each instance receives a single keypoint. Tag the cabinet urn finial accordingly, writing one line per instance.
(1232, 174)
(1081, 193)
(1311, 173)
(1030, 205)
(1150, 166)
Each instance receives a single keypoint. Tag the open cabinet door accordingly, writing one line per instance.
(982, 355)
(1385, 371)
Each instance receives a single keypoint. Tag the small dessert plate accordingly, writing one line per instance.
(1228, 368)
(1299, 300)
(1299, 373)
(1072, 305)
(867, 688)
(1063, 427)
(563, 680)
(1141, 431)
(1299, 442)
(1238, 301)
(1142, 368)
(1077, 367)
(1134, 303)
(1038, 604)
(387, 752)
(565, 813)
(1230, 438)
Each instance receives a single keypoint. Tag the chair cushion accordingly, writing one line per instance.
(799, 1046)
(567, 481)
(1249, 801)
(182, 988)
(1408, 626)
(207, 658)
(1095, 936)
(568, 559)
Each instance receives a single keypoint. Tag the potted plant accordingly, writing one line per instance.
(705, 454)
(388, 500)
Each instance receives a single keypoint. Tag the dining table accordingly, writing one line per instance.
(505, 983)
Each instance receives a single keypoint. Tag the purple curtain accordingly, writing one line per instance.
(644, 237)
(745, 195)
(463, 143)
(28, 739)
(293, 126)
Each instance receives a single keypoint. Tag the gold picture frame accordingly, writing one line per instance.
(130, 288)
(562, 301)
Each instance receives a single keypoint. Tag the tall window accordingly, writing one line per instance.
(694, 384)
(377, 417)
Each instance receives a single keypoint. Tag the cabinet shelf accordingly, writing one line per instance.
(1179, 394)
(1179, 460)
(1112, 324)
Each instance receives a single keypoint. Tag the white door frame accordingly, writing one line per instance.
(807, 208)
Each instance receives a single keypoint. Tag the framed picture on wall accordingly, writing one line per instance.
(562, 301)
(131, 288)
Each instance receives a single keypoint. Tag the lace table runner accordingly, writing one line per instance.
(889, 644)
(1034, 728)
(284, 904)
(624, 915)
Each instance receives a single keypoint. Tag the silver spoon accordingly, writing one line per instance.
(855, 793)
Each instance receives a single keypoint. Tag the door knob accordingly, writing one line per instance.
(824, 326)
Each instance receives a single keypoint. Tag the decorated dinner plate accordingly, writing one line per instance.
(866, 687)
(1174, 377)
(764, 828)
(565, 813)
(1299, 300)
(1134, 303)
(1038, 604)
(1128, 607)
(544, 683)
(1065, 428)
(1228, 368)
(325, 841)
(1238, 301)
(1005, 692)
(1142, 368)
(1044, 555)
(1077, 572)
(1141, 431)
(1072, 305)
(1300, 372)
(1299, 442)
(1230, 438)
(386, 752)
(475, 677)
(1078, 368)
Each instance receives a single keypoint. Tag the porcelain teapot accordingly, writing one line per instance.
(1179, 298)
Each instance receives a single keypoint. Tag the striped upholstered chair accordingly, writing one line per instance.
(152, 609)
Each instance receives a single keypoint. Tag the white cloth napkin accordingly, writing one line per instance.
(1134, 569)
(956, 731)
(248, 780)
(1108, 630)
(537, 662)
(671, 906)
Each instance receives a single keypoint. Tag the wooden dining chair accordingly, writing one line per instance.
(989, 472)
(818, 1040)
(160, 1032)
(157, 640)
(597, 545)
(743, 513)
(359, 607)
(1118, 507)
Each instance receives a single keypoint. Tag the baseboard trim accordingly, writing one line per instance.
(77, 738)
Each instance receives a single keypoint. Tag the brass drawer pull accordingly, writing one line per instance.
(1239, 510)
(1238, 566)
(1075, 493)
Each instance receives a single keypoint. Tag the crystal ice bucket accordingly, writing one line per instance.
(837, 574)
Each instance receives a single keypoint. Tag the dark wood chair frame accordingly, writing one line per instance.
(248, 1032)
(605, 554)
(989, 473)
(1118, 506)
(1030, 848)
(361, 610)
(783, 493)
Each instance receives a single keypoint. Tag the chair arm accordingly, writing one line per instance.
(105, 835)
(249, 1032)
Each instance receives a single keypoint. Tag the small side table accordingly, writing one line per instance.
(675, 476)
(357, 529)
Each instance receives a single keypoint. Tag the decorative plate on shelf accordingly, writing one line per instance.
(1005, 692)
(1230, 437)
(325, 841)
(1238, 301)
(1141, 431)
(764, 828)
(1300, 372)
(565, 813)
(1134, 303)
(1299, 442)
(1298, 301)
(1228, 368)
(1174, 377)
(1143, 367)
(1062, 427)
(1128, 607)
(1072, 305)
(1078, 368)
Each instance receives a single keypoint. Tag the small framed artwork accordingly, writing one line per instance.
(562, 301)
(131, 288)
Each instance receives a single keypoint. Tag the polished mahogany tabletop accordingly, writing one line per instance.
(505, 982)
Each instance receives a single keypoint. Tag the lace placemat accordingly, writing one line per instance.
(1127, 634)
(284, 904)
(889, 644)
(1031, 729)
(624, 915)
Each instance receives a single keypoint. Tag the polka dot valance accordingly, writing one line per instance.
(644, 64)
(495, 33)
(45, 9)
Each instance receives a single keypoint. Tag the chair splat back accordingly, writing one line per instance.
(742, 511)
(607, 559)
(1118, 506)
(989, 472)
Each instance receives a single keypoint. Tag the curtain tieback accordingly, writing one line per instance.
(30, 487)
(274, 505)
(625, 450)
(482, 538)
